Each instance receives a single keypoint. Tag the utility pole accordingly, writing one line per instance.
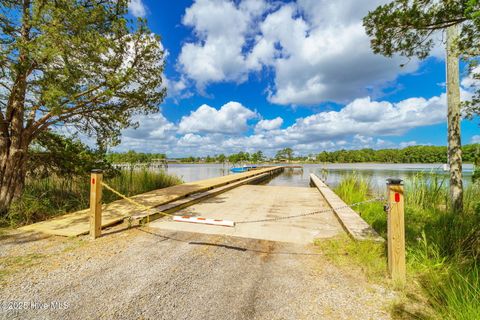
(454, 118)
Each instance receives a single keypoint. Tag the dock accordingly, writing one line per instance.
(274, 213)
(77, 223)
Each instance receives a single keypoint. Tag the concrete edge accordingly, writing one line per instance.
(357, 228)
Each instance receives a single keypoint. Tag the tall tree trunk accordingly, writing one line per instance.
(14, 139)
(454, 118)
(13, 177)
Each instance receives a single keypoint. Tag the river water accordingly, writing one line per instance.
(376, 173)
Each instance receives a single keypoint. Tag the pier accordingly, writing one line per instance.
(275, 213)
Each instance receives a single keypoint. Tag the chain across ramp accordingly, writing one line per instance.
(379, 199)
(143, 207)
(232, 223)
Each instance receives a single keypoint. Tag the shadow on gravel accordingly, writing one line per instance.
(232, 247)
(218, 245)
(16, 237)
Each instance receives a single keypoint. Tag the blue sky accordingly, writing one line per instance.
(251, 75)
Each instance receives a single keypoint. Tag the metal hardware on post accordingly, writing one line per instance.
(96, 203)
(396, 231)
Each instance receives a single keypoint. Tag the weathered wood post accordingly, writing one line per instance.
(396, 231)
(96, 203)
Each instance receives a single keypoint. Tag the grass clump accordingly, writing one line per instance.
(443, 248)
(13, 264)
(52, 196)
(367, 255)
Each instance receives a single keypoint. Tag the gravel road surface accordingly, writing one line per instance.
(145, 273)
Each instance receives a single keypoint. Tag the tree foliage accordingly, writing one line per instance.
(79, 64)
(413, 154)
(67, 157)
(134, 157)
(407, 27)
(83, 63)
(239, 157)
(284, 154)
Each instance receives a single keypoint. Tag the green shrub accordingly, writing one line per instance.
(443, 248)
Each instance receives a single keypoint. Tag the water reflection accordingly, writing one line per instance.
(194, 172)
(332, 173)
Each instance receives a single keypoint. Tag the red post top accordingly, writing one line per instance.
(397, 197)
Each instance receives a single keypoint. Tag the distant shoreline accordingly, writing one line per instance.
(319, 163)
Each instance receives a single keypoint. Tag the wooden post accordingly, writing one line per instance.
(396, 231)
(96, 203)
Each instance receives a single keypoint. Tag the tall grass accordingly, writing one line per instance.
(53, 196)
(443, 248)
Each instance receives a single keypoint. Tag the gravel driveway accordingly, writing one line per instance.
(150, 274)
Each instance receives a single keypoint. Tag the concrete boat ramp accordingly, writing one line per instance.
(251, 203)
(275, 213)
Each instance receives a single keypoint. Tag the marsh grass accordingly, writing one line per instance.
(53, 196)
(443, 248)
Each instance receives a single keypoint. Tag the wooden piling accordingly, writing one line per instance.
(396, 231)
(96, 203)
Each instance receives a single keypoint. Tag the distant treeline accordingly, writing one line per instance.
(414, 154)
(134, 157)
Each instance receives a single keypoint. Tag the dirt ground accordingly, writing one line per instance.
(145, 273)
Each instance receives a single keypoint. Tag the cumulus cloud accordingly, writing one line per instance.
(176, 89)
(154, 134)
(317, 49)
(137, 8)
(363, 123)
(472, 80)
(356, 125)
(364, 116)
(221, 28)
(266, 125)
(324, 54)
(231, 118)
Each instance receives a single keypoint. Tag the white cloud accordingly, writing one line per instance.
(137, 8)
(266, 125)
(472, 80)
(151, 127)
(230, 119)
(317, 49)
(360, 122)
(221, 27)
(408, 144)
(362, 139)
(363, 123)
(364, 116)
(194, 140)
(176, 89)
(357, 125)
(154, 134)
(325, 56)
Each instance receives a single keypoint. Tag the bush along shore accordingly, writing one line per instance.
(51, 196)
(443, 248)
